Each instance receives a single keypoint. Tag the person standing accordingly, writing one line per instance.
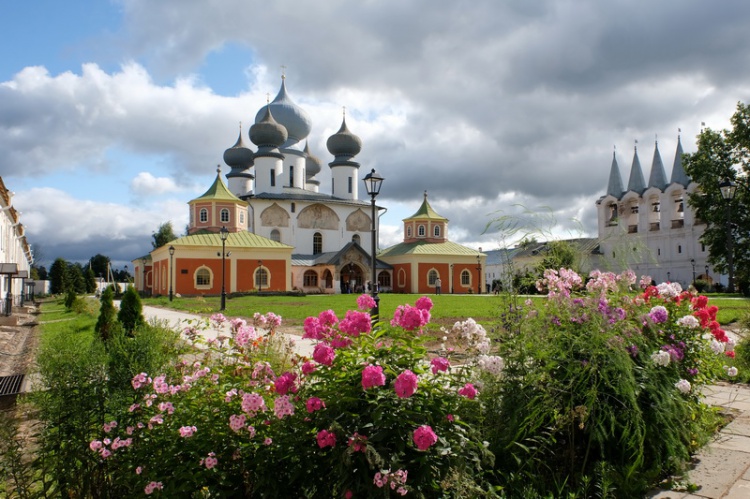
(438, 286)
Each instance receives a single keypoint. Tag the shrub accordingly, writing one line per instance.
(70, 298)
(131, 311)
(107, 316)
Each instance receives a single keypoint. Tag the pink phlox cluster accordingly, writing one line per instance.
(669, 290)
(356, 323)
(326, 438)
(320, 327)
(372, 376)
(423, 303)
(134, 407)
(109, 426)
(151, 487)
(160, 385)
(191, 332)
(267, 441)
(410, 318)
(424, 437)
(559, 282)
(365, 302)
(491, 364)
(263, 372)
(140, 380)
(270, 321)
(210, 461)
(218, 319)
(324, 354)
(155, 420)
(357, 442)
(230, 395)
(468, 391)
(601, 282)
(166, 407)
(187, 431)
(473, 334)
(439, 364)
(244, 334)
(149, 399)
(314, 404)
(308, 367)
(395, 481)
(253, 403)
(645, 281)
(406, 384)
(237, 422)
(286, 383)
(689, 321)
(683, 386)
(237, 323)
(283, 406)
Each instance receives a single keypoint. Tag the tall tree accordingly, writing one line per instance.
(723, 155)
(131, 311)
(77, 281)
(107, 315)
(99, 264)
(59, 278)
(163, 235)
(90, 280)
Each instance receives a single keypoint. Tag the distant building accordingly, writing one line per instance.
(15, 254)
(649, 227)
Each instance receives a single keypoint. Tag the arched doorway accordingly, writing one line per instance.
(351, 278)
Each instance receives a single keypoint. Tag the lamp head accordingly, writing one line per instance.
(373, 181)
(171, 251)
(728, 189)
(224, 233)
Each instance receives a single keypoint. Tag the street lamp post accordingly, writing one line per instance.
(224, 233)
(692, 262)
(373, 182)
(260, 276)
(479, 275)
(728, 189)
(143, 276)
(451, 278)
(171, 264)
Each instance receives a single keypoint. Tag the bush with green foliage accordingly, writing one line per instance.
(107, 321)
(131, 311)
(70, 298)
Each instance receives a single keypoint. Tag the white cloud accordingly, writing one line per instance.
(145, 184)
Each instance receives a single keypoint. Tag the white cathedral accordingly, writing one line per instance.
(649, 227)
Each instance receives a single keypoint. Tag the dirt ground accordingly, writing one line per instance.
(18, 343)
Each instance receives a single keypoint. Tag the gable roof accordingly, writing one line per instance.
(427, 248)
(218, 192)
(426, 212)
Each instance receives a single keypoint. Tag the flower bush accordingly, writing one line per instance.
(370, 414)
(601, 383)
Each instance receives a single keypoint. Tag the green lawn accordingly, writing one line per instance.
(448, 309)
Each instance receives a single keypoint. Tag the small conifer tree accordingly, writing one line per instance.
(70, 298)
(131, 311)
(107, 315)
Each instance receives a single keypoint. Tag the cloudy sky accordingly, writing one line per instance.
(114, 114)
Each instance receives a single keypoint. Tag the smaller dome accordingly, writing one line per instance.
(344, 144)
(267, 132)
(239, 156)
(312, 163)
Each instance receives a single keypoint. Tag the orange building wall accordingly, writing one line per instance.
(407, 283)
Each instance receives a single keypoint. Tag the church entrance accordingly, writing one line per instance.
(351, 279)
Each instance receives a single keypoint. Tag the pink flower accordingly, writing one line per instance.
(424, 303)
(314, 404)
(326, 439)
(151, 487)
(468, 391)
(406, 384)
(282, 406)
(139, 470)
(450, 417)
(424, 437)
(237, 422)
(187, 431)
(95, 445)
(268, 441)
(140, 380)
(308, 368)
(365, 302)
(357, 442)
(348, 494)
(410, 318)
(372, 376)
(285, 383)
(210, 461)
(439, 364)
(356, 323)
(323, 354)
(252, 403)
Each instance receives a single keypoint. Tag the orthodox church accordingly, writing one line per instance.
(270, 228)
(649, 227)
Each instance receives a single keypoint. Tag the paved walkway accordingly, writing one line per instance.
(722, 468)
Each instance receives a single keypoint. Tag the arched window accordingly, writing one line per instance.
(291, 175)
(465, 278)
(310, 279)
(203, 278)
(275, 235)
(432, 276)
(261, 278)
(436, 232)
(420, 231)
(408, 231)
(356, 239)
(401, 278)
(204, 215)
(384, 280)
(317, 243)
(225, 215)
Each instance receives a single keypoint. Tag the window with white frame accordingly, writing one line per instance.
(465, 278)
(204, 215)
(225, 215)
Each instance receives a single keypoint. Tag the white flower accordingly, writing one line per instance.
(689, 321)
(491, 364)
(732, 371)
(717, 346)
(730, 344)
(683, 385)
(660, 358)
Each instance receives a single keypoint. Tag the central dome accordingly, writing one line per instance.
(290, 115)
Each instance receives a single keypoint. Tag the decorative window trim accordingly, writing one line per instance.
(275, 235)
(224, 215)
(432, 276)
(421, 231)
(199, 274)
(261, 274)
(317, 243)
(203, 217)
(310, 279)
(401, 278)
(408, 231)
(465, 278)
(436, 231)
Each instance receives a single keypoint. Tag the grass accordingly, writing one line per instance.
(55, 320)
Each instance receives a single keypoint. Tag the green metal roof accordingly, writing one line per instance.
(426, 212)
(425, 248)
(218, 192)
(242, 239)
